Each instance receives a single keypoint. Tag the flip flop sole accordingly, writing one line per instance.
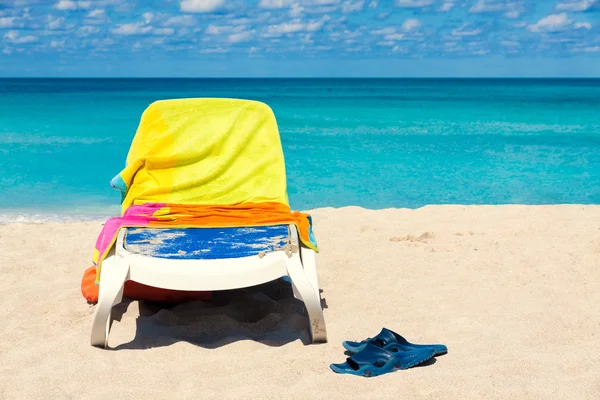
(380, 368)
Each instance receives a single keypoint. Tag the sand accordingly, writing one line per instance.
(513, 291)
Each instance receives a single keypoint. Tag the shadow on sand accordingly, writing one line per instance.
(268, 314)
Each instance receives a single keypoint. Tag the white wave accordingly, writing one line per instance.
(100, 213)
(37, 139)
(445, 128)
(10, 218)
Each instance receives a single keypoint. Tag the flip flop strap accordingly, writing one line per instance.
(369, 355)
(384, 338)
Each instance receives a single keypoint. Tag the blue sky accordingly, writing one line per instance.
(299, 38)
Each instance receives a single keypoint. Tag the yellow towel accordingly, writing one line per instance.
(204, 152)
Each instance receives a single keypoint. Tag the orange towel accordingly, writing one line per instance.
(245, 214)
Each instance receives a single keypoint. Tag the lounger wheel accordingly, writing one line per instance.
(113, 277)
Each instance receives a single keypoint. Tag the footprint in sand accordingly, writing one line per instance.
(470, 233)
(412, 238)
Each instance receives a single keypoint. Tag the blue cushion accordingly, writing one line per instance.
(205, 243)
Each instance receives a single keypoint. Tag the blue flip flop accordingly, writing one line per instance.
(392, 341)
(374, 361)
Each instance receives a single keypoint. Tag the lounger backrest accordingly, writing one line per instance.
(205, 151)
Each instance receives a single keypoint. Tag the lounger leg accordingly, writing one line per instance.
(112, 278)
(310, 267)
(310, 297)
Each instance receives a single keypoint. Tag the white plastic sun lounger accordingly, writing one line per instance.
(208, 259)
(215, 152)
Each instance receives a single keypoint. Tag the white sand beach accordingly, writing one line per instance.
(513, 291)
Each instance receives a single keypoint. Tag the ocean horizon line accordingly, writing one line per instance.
(424, 78)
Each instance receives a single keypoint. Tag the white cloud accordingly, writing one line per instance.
(348, 34)
(294, 26)
(275, 4)
(356, 49)
(201, 6)
(464, 31)
(594, 49)
(55, 22)
(15, 37)
(57, 44)
(240, 37)
(509, 43)
(97, 16)
(413, 3)
(142, 28)
(575, 5)
(219, 29)
(373, 4)
(350, 6)
(163, 31)
(384, 31)
(148, 17)
(394, 36)
(101, 42)
(97, 13)
(72, 5)
(286, 27)
(213, 30)
(214, 50)
(8, 22)
(136, 28)
(512, 9)
(321, 9)
(483, 6)
(296, 10)
(446, 6)
(66, 5)
(240, 21)
(582, 25)
(411, 24)
(87, 30)
(307, 39)
(321, 2)
(315, 25)
(181, 20)
(551, 23)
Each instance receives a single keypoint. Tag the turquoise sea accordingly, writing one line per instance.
(375, 143)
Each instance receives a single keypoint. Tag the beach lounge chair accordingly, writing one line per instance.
(223, 159)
